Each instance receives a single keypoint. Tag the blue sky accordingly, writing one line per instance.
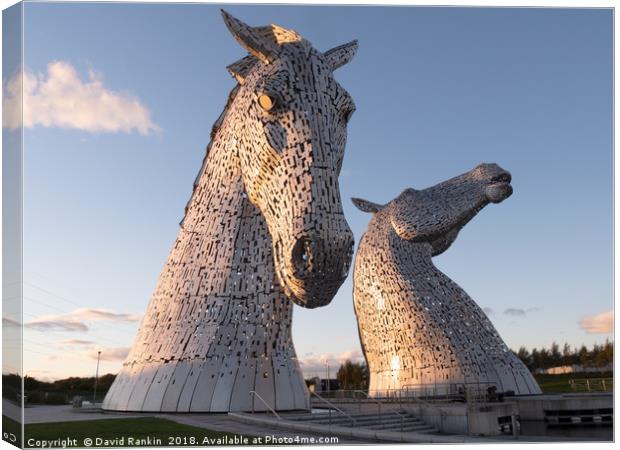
(438, 90)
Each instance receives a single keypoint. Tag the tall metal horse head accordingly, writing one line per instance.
(263, 228)
(292, 117)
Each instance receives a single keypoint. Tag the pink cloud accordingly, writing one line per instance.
(77, 320)
(602, 323)
(60, 98)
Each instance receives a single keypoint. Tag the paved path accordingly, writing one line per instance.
(215, 422)
(11, 410)
(222, 422)
(59, 413)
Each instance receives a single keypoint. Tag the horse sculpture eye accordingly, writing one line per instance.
(266, 101)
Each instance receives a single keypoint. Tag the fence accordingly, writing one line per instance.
(591, 384)
(438, 392)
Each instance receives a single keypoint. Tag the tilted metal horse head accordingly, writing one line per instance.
(418, 328)
(435, 215)
(264, 228)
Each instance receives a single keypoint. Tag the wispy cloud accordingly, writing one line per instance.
(602, 323)
(77, 320)
(515, 312)
(520, 312)
(78, 342)
(60, 98)
(94, 314)
(10, 322)
(110, 353)
(91, 350)
(48, 323)
(314, 364)
(488, 311)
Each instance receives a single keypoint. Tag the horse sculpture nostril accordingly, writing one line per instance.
(302, 258)
(349, 256)
(315, 260)
(345, 267)
(503, 177)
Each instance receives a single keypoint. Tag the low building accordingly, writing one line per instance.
(322, 385)
(575, 368)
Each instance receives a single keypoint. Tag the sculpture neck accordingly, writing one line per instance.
(381, 234)
(218, 190)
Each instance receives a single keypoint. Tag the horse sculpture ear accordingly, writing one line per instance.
(258, 41)
(241, 68)
(366, 206)
(341, 55)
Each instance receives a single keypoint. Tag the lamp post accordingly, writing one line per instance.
(96, 377)
(327, 382)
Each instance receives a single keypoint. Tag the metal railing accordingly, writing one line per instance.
(465, 392)
(360, 400)
(473, 392)
(378, 402)
(334, 407)
(591, 384)
(430, 396)
(255, 394)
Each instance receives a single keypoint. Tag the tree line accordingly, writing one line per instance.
(598, 356)
(55, 392)
(355, 375)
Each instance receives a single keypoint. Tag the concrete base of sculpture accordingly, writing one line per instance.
(208, 386)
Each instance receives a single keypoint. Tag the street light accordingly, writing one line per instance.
(327, 382)
(96, 377)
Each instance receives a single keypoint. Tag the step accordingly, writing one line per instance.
(318, 416)
(357, 416)
(377, 416)
(392, 423)
(405, 424)
(308, 417)
(422, 428)
(388, 421)
(361, 421)
(376, 425)
(385, 413)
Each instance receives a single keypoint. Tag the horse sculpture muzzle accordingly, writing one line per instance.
(499, 189)
(319, 265)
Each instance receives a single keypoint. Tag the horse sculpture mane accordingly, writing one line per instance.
(419, 330)
(263, 229)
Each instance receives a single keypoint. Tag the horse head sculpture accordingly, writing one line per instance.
(419, 329)
(263, 229)
(291, 138)
(435, 215)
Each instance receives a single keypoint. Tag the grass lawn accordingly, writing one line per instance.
(558, 384)
(143, 431)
